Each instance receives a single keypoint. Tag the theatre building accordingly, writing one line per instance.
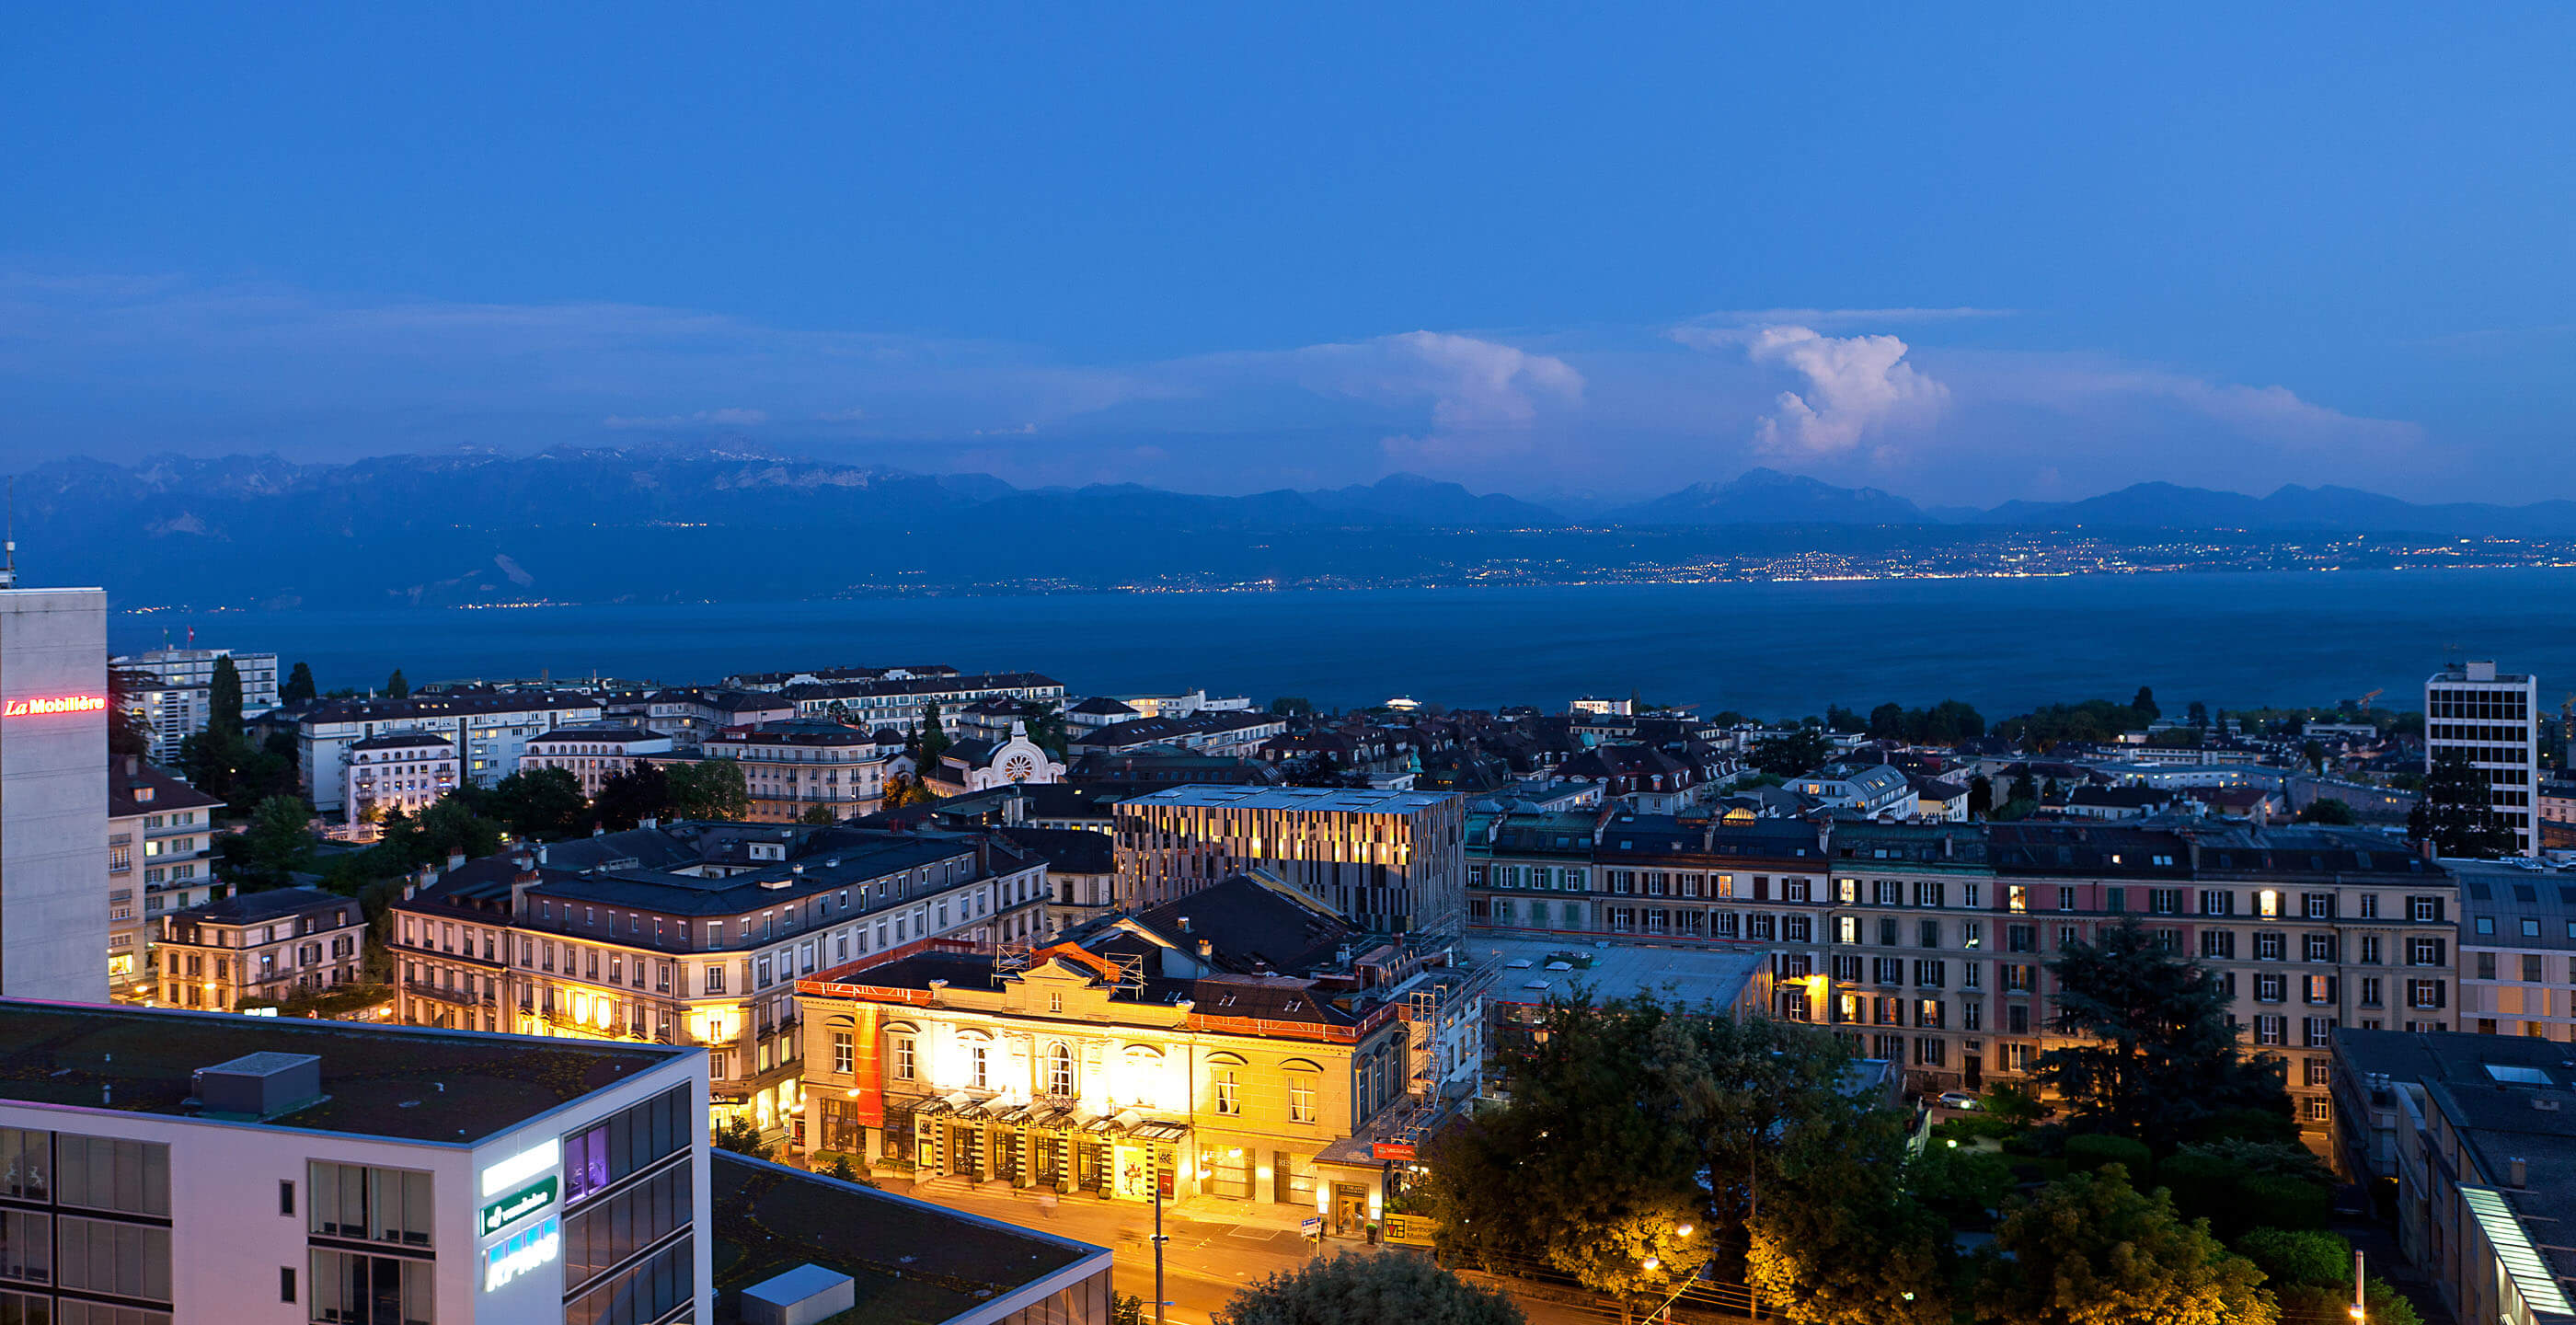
(1246, 1041)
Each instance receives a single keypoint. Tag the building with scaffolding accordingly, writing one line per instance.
(1246, 1043)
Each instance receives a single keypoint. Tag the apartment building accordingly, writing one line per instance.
(272, 946)
(594, 752)
(1929, 942)
(2517, 950)
(1392, 861)
(2493, 720)
(176, 1168)
(399, 772)
(691, 714)
(794, 767)
(695, 934)
(160, 850)
(900, 701)
(490, 729)
(1245, 1042)
(1234, 735)
(174, 696)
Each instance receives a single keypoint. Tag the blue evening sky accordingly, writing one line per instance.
(1965, 253)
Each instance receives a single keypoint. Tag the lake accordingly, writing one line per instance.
(1785, 649)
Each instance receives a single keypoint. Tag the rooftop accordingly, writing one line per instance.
(1311, 800)
(1616, 970)
(910, 1262)
(404, 1083)
(135, 787)
(267, 904)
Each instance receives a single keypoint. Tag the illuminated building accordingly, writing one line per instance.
(593, 752)
(277, 944)
(399, 772)
(1390, 860)
(2492, 720)
(54, 906)
(794, 767)
(489, 728)
(160, 848)
(168, 1168)
(176, 689)
(695, 934)
(1246, 1041)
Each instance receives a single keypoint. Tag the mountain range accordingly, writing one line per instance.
(602, 524)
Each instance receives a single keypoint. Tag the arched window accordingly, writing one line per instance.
(1060, 1072)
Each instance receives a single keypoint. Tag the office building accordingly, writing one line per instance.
(174, 687)
(1393, 861)
(2517, 951)
(53, 794)
(177, 1168)
(490, 729)
(2492, 719)
(2477, 1133)
(160, 857)
(695, 934)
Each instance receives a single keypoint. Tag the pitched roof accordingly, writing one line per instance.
(129, 779)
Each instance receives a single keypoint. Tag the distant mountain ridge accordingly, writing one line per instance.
(612, 524)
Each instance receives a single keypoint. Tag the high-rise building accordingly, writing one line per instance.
(53, 794)
(2492, 719)
(175, 695)
(1390, 860)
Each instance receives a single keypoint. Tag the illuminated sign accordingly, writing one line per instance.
(515, 1171)
(516, 1206)
(28, 708)
(1391, 1150)
(509, 1259)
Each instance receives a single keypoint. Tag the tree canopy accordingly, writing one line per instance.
(2455, 814)
(2150, 1051)
(396, 687)
(2092, 1250)
(298, 685)
(1354, 1288)
(709, 789)
(1788, 756)
(1946, 723)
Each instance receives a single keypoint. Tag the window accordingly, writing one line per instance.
(2426, 993)
(2065, 899)
(904, 1063)
(100, 1256)
(2317, 1032)
(2426, 952)
(26, 1247)
(286, 1196)
(2424, 910)
(844, 1053)
(352, 1288)
(979, 1060)
(286, 1283)
(1301, 1096)
(1229, 1091)
(2267, 989)
(2218, 944)
(107, 1174)
(623, 1144)
(2370, 950)
(26, 1157)
(2370, 906)
(2370, 991)
(2270, 1029)
(2268, 947)
(2318, 1108)
(2319, 947)
(1060, 1072)
(376, 1204)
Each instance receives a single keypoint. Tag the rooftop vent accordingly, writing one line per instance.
(260, 1085)
(802, 1296)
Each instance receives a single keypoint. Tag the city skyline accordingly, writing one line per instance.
(2024, 259)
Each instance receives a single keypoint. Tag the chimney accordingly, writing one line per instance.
(133, 766)
(1207, 950)
(2517, 1173)
(455, 860)
(1185, 924)
(648, 823)
(541, 853)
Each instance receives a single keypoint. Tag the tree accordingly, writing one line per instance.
(630, 796)
(2454, 813)
(1048, 731)
(818, 815)
(540, 803)
(2092, 1250)
(277, 843)
(449, 827)
(2152, 1051)
(2145, 706)
(396, 687)
(2314, 756)
(933, 738)
(1981, 796)
(224, 698)
(299, 685)
(1840, 1241)
(1292, 706)
(709, 789)
(129, 730)
(2025, 787)
(1801, 751)
(1844, 720)
(2197, 715)
(2328, 810)
(2310, 1271)
(1353, 1288)
(902, 789)
(740, 1135)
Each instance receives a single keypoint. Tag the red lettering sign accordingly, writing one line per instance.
(28, 708)
(1391, 1150)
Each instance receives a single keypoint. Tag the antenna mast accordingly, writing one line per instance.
(9, 541)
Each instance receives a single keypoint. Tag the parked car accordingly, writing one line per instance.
(1961, 1099)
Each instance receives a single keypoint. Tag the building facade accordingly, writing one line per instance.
(175, 697)
(160, 858)
(2491, 719)
(902, 701)
(594, 752)
(2517, 951)
(272, 946)
(695, 934)
(214, 1170)
(399, 772)
(1391, 861)
(801, 765)
(53, 794)
(489, 729)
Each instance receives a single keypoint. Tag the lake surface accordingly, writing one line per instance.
(2232, 640)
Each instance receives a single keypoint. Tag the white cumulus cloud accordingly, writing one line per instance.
(1855, 386)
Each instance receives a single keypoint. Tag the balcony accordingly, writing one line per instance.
(457, 997)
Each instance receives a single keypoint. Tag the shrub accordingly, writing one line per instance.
(1961, 1184)
(2299, 1256)
(2242, 1185)
(2289, 1203)
(2088, 1152)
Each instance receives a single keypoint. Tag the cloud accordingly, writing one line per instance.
(2088, 387)
(1856, 385)
(1837, 317)
(705, 418)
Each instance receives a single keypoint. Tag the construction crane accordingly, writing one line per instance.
(2363, 703)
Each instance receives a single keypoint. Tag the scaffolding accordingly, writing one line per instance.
(1446, 992)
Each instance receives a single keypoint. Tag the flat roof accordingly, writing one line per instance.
(1696, 971)
(909, 1262)
(1316, 799)
(403, 1083)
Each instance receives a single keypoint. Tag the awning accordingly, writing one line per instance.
(1158, 1131)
